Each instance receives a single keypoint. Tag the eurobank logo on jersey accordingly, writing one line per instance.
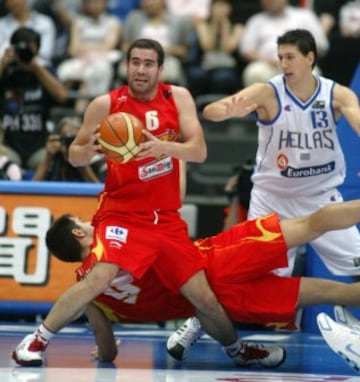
(116, 233)
(303, 172)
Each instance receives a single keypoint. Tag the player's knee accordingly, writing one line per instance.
(199, 293)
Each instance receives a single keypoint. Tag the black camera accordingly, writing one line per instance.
(67, 139)
(24, 52)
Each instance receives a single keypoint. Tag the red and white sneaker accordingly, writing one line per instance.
(30, 351)
(252, 354)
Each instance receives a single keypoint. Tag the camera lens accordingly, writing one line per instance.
(24, 52)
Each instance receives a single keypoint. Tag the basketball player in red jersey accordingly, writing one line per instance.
(239, 264)
(137, 222)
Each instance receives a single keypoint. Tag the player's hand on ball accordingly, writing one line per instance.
(153, 147)
(95, 141)
(94, 147)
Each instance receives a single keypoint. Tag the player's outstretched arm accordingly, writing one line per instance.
(73, 302)
(346, 102)
(239, 104)
(301, 230)
(106, 345)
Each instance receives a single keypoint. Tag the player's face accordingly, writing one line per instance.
(294, 64)
(143, 72)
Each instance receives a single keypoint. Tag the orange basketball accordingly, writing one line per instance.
(120, 135)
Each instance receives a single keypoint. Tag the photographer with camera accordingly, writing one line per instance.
(20, 13)
(28, 90)
(55, 165)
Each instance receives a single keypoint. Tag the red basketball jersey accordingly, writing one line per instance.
(152, 183)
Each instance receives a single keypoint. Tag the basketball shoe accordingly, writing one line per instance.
(252, 354)
(180, 342)
(30, 351)
(342, 339)
(345, 317)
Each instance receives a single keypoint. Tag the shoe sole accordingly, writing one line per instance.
(177, 352)
(33, 363)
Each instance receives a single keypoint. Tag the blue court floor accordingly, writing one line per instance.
(143, 358)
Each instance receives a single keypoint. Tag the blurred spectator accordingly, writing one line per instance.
(20, 14)
(173, 32)
(349, 19)
(342, 48)
(121, 8)
(72, 6)
(196, 10)
(218, 39)
(3, 10)
(62, 17)
(27, 92)
(328, 13)
(55, 165)
(8, 169)
(258, 44)
(94, 40)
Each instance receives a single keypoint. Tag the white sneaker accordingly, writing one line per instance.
(341, 339)
(252, 354)
(30, 351)
(345, 317)
(179, 343)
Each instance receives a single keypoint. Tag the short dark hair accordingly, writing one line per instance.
(303, 39)
(61, 242)
(147, 43)
(27, 35)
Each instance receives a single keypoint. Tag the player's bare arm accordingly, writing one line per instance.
(74, 301)
(192, 147)
(241, 104)
(85, 145)
(346, 102)
(106, 345)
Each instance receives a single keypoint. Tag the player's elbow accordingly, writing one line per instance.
(200, 154)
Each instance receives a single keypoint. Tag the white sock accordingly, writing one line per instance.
(233, 348)
(44, 332)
